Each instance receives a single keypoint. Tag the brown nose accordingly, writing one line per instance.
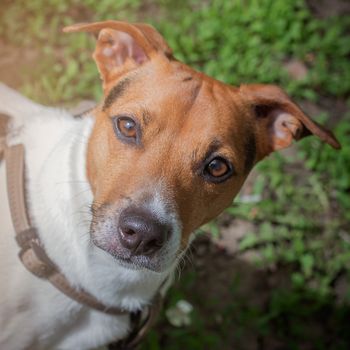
(141, 232)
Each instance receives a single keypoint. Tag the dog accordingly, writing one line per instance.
(116, 195)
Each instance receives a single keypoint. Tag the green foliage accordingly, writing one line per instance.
(318, 159)
(248, 41)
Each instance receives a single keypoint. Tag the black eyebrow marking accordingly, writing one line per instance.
(250, 149)
(116, 92)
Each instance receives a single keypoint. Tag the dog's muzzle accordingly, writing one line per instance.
(138, 237)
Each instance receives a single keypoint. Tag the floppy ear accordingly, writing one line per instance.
(279, 120)
(122, 46)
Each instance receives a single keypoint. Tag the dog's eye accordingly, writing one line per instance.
(217, 167)
(126, 129)
(217, 170)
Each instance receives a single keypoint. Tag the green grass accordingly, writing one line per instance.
(247, 41)
(302, 222)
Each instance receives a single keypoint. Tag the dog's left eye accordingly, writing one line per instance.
(126, 128)
(217, 170)
(217, 167)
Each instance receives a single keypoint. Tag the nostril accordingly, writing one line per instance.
(152, 245)
(149, 247)
(129, 238)
(128, 232)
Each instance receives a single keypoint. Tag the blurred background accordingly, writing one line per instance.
(272, 272)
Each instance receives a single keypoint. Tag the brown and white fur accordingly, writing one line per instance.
(83, 177)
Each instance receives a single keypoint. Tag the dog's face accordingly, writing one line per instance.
(167, 151)
(171, 147)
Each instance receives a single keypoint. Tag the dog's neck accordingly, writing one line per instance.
(59, 198)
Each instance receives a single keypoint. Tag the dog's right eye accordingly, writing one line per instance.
(217, 170)
(126, 129)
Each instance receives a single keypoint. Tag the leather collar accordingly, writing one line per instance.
(34, 258)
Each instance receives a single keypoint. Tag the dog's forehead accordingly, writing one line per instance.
(178, 81)
(175, 92)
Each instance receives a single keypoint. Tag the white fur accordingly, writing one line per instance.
(33, 314)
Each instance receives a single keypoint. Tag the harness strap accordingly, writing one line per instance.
(35, 259)
(2, 146)
(14, 157)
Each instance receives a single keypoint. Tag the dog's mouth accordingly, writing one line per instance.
(139, 263)
(127, 259)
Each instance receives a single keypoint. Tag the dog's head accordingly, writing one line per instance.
(171, 147)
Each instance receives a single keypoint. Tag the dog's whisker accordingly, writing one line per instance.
(80, 193)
